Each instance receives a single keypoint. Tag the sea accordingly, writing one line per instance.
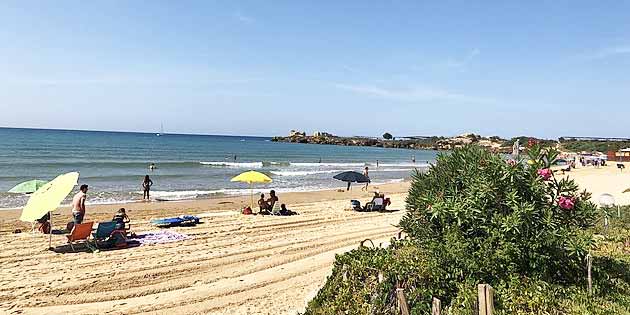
(114, 164)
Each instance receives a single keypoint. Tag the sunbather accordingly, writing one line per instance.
(121, 219)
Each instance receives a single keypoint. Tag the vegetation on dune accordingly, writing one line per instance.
(476, 218)
(590, 146)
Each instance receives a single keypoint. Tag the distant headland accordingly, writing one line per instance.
(492, 143)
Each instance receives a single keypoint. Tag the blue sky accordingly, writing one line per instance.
(548, 69)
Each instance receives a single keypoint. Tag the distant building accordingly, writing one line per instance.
(322, 134)
(619, 156)
(295, 133)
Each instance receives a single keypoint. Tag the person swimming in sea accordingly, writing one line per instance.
(152, 166)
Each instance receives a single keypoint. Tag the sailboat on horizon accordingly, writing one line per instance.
(161, 133)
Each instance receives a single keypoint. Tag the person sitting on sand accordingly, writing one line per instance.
(121, 219)
(43, 223)
(262, 204)
(285, 211)
(377, 194)
(272, 200)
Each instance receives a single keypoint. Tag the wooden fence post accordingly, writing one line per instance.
(402, 300)
(485, 299)
(436, 307)
(589, 265)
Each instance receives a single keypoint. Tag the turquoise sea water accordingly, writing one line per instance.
(188, 166)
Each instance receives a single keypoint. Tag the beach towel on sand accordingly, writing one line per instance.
(159, 237)
(184, 220)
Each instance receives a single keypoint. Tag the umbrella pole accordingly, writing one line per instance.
(251, 190)
(50, 231)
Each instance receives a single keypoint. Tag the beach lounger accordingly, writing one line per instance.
(80, 232)
(107, 232)
(378, 204)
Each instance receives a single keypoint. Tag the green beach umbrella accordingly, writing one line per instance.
(28, 187)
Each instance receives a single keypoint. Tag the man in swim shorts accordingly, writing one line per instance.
(78, 205)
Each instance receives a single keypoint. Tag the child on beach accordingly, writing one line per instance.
(262, 204)
(285, 211)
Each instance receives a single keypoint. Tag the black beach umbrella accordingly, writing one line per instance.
(352, 177)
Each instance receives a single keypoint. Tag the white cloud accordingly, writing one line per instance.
(239, 16)
(417, 94)
(605, 53)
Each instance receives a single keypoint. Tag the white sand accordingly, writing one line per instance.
(235, 264)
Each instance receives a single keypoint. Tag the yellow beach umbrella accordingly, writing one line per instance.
(252, 177)
(49, 197)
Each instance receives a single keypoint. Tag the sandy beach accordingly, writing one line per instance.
(234, 264)
(603, 180)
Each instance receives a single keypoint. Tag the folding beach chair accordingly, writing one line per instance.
(80, 232)
(377, 204)
(109, 233)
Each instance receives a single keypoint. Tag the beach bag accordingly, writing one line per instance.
(247, 210)
(356, 205)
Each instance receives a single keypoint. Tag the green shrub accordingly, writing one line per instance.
(489, 219)
(476, 218)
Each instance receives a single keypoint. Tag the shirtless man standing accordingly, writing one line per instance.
(78, 205)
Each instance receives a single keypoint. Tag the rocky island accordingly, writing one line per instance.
(494, 144)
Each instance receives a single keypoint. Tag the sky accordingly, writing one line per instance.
(507, 68)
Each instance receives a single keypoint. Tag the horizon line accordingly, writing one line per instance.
(137, 132)
(267, 136)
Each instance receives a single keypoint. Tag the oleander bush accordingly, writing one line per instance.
(476, 217)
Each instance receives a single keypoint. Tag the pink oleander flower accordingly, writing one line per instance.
(566, 202)
(545, 173)
(531, 142)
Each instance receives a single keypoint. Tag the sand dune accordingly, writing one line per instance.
(234, 264)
